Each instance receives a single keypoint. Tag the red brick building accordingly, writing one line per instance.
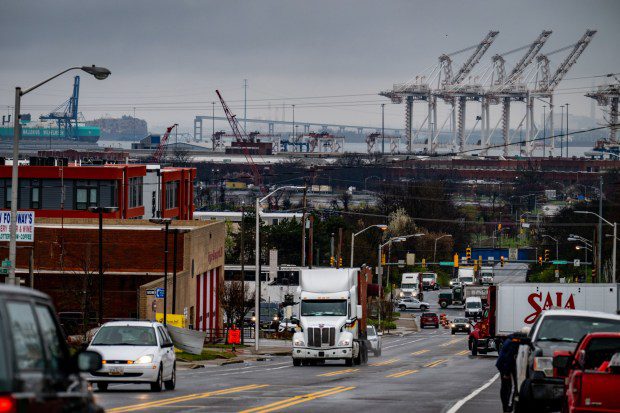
(68, 191)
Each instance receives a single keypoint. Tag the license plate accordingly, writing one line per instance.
(116, 371)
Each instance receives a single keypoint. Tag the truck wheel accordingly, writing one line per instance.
(402, 307)
(473, 346)
(443, 304)
(524, 404)
(348, 362)
(296, 362)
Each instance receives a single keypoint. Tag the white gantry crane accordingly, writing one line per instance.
(546, 83)
(506, 88)
(608, 95)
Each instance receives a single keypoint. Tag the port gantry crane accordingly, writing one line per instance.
(161, 148)
(546, 83)
(608, 95)
(236, 129)
(506, 88)
(452, 90)
(66, 115)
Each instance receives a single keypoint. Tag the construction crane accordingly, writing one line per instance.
(242, 139)
(547, 83)
(66, 115)
(504, 88)
(161, 148)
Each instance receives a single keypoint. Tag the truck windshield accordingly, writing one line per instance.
(474, 304)
(408, 286)
(311, 308)
(572, 329)
(466, 279)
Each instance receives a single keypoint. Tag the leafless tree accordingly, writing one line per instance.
(236, 299)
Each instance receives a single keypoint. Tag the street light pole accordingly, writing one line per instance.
(99, 73)
(166, 222)
(435, 249)
(383, 128)
(382, 227)
(615, 245)
(100, 211)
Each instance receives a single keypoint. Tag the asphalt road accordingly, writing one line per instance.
(426, 371)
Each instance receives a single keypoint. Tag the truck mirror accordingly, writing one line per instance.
(359, 311)
(561, 361)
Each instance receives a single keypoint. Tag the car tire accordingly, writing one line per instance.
(171, 384)
(453, 333)
(296, 362)
(157, 385)
(524, 403)
(437, 325)
(102, 386)
(402, 307)
(378, 353)
(443, 304)
(423, 307)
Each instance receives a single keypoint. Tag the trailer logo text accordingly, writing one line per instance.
(537, 303)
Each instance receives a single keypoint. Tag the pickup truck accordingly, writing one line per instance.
(592, 373)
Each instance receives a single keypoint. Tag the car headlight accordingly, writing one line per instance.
(298, 343)
(344, 342)
(402, 294)
(275, 318)
(253, 318)
(144, 359)
(452, 325)
(544, 364)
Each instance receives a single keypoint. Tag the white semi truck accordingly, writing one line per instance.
(332, 316)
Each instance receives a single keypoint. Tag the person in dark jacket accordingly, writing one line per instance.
(507, 366)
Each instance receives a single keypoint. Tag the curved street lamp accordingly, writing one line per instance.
(382, 227)
(99, 73)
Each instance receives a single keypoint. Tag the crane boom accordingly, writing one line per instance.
(236, 129)
(475, 57)
(529, 56)
(159, 152)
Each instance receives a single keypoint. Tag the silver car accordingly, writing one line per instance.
(374, 339)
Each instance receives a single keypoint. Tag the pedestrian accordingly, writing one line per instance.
(507, 366)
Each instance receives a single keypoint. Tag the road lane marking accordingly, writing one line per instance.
(417, 353)
(304, 398)
(473, 394)
(337, 373)
(449, 343)
(404, 344)
(462, 353)
(385, 363)
(435, 363)
(180, 399)
(401, 374)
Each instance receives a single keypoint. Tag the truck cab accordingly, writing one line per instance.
(332, 316)
(473, 307)
(466, 276)
(486, 276)
(410, 285)
(429, 281)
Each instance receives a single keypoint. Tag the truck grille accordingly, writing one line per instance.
(319, 337)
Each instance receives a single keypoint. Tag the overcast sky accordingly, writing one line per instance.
(168, 57)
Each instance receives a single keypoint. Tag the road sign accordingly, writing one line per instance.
(150, 292)
(576, 263)
(4, 271)
(559, 262)
(160, 292)
(513, 254)
(410, 258)
(25, 226)
(446, 263)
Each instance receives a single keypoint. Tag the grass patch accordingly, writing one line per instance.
(206, 355)
(225, 346)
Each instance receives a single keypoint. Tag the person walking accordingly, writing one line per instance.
(507, 366)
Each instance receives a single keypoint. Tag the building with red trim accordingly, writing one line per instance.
(139, 191)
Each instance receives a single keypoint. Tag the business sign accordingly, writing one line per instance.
(25, 226)
(177, 320)
(160, 293)
(150, 291)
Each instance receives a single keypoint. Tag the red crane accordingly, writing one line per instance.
(236, 129)
(161, 148)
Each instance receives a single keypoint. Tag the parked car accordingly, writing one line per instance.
(592, 373)
(429, 319)
(288, 324)
(134, 352)
(460, 325)
(410, 303)
(374, 339)
(554, 330)
(36, 371)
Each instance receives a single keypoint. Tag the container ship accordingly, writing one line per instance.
(51, 134)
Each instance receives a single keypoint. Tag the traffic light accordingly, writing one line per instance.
(339, 262)
(540, 259)
(546, 255)
(423, 262)
(593, 273)
(475, 265)
(332, 261)
(501, 260)
(382, 258)
(468, 253)
(499, 227)
(456, 260)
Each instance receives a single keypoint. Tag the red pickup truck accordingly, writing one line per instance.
(592, 374)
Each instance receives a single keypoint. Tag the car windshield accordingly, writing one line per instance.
(461, 320)
(311, 308)
(125, 336)
(408, 286)
(474, 304)
(572, 329)
(466, 279)
(370, 331)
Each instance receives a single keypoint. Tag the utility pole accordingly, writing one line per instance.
(567, 130)
(311, 241)
(303, 229)
(383, 128)
(245, 103)
(242, 259)
(600, 227)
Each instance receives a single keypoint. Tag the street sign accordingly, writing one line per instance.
(576, 263)
(491, 259)
(446, 263)
(410, 258)
(557, 273)
(513, 254)
(25, 226)
(559, 262)
(150, 292)
(160, 292)
(4, 271)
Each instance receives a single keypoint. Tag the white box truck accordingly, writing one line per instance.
(332, 316)
(514, 306)
(410, 285)
(466, 275)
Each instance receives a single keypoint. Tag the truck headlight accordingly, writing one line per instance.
(344, 342)
(144, 359)
(402, 294)
(298, 343)
(544, 364)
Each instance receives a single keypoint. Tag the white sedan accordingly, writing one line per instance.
(134, 352)
(410, 303)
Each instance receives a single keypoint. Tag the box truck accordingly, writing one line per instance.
(411, 285)
(332, 316)
(514, 306)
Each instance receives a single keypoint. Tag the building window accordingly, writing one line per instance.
(86, 195)
(135, 192)
(7, 195)
(171, 194)
(35, 194)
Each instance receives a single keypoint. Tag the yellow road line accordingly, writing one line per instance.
(462, 353)
(180, 399)
(401, 374)
(417, 353)
(304, 398)
(338, 372)
(436, 363)
(449, 343)
(385, 363)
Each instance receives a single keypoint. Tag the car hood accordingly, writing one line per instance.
(123, 352)
(549, 347)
